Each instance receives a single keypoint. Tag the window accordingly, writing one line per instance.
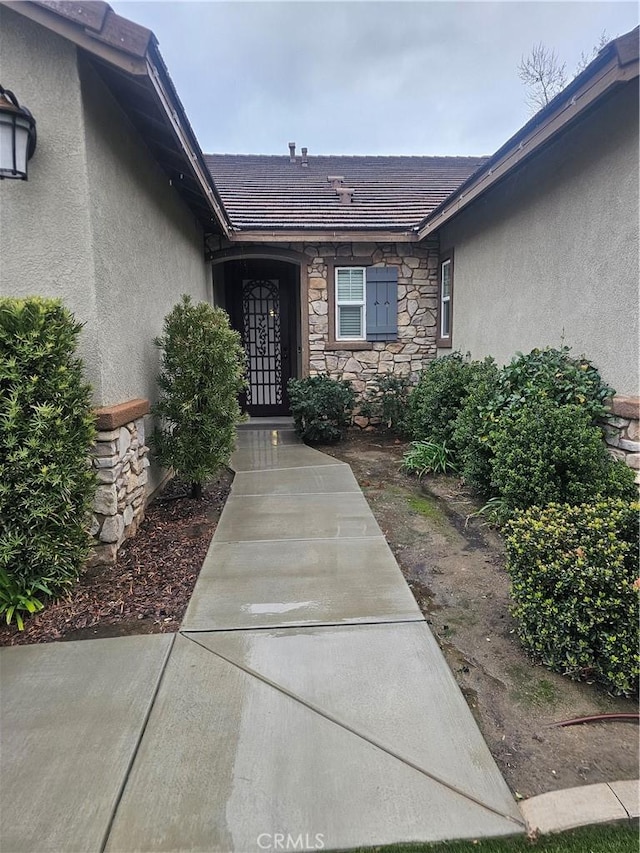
(364, 305)
(350, 303)
(445, 318)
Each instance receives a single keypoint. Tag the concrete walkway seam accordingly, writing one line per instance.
(294, 494)
(292, 468)
(371, 741)
(134, 753)
(306, 539)
(296, 626)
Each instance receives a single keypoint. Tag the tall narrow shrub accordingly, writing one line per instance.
(46, 431)
(201, 376)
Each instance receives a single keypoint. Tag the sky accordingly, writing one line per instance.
(364, 77)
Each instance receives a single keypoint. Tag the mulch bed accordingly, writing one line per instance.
(148, 589)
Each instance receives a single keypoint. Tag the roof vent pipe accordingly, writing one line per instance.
(305, 161)
(335, 181)
(345, 194)
(292, 152)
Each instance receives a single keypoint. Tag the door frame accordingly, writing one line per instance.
(230, 267)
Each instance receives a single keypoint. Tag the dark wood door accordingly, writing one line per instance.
(263, 314)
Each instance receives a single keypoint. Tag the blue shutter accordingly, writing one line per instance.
(382, 303)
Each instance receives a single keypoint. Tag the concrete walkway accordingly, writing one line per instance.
(304, 696)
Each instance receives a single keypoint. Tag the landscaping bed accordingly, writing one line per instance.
(455, 568)
(148, 589)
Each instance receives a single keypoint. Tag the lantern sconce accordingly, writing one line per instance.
(17, 137)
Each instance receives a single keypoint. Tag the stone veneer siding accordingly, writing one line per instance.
(622, 431)
(120, 459)
(417, 311)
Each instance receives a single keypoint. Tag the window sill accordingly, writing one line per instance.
(336, 346)
(444, 343)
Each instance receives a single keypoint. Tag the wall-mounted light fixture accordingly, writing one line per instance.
(17, 137)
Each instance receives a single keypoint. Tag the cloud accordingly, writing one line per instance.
(363, 77)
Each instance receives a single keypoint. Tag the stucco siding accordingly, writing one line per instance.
(551, 255)
(46, 247)
(147, 245)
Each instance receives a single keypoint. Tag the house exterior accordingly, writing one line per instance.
(335, 239)
(351, 266)
(112, 220)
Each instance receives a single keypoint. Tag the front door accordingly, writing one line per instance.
(262, 296)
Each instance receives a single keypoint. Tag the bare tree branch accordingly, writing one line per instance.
(586, 58)
(543, 76)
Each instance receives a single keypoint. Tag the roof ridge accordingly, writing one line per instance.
(362, 156)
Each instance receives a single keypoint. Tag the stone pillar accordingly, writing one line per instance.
(622, 431)
(120, 457)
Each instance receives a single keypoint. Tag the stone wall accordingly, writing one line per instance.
(417, 311)
(622, 431)
(120, 458)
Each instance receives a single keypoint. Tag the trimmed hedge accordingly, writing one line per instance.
(548, 453)
(47, 428)
(435, 402)
(574, 581)
(202, 375)
(542, 375)
(321, 407)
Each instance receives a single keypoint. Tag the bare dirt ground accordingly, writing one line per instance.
(456, 571)
(148, 589)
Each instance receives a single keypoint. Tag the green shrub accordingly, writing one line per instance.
(620, 481)
(548, 453)
(47, 428)
(574, 583)
(554, 375)
(472, 428)
(321, 407)
(386, 401)
(428, 457)
(434, 403)
(543, 374)
(202, 375)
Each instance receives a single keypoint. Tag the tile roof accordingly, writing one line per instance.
(101, 23)
(396, 193)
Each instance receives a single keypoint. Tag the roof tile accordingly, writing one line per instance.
(260, 191)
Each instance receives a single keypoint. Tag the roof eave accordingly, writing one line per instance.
(320, 235)
(606, 72)
(150, 67)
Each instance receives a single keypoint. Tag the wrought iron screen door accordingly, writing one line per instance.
(262, 333)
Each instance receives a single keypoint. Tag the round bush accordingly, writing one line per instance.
(47, 428)
(547, 453)
(436, 400)
(321, 407)
(574, 583)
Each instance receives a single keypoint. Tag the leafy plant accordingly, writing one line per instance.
(428, 457)
(434, 403)
(201, 377)
(554, 375)
(495, 511)
(321, 407)
(548, 453)
(472, 428)
(620, 481)
(541, 375)
(47, 428)
(574, 582)
(386, 401)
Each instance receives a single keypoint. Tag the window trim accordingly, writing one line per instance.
(362, 304)
(333, 263)
(445, 341)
